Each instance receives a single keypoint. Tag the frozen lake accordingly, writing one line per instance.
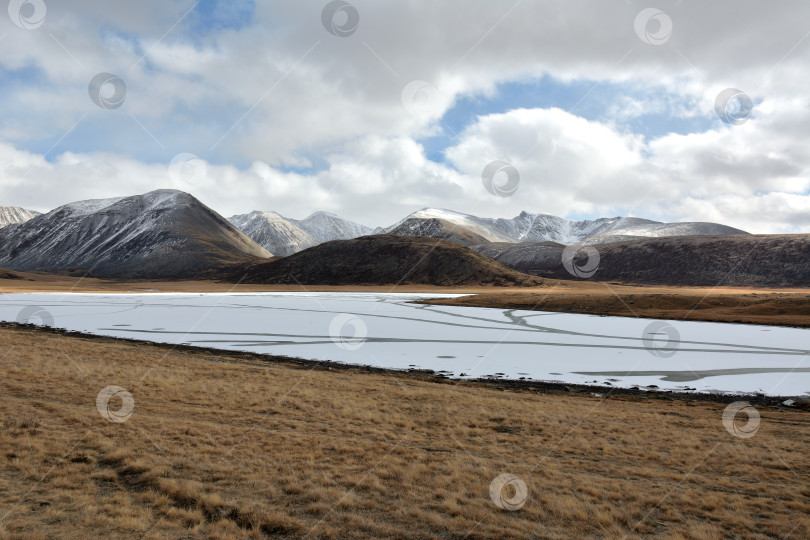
(387, 330)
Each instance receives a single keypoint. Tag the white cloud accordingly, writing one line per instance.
(283, 92)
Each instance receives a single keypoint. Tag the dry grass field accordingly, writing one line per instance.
(227, 446)
(783, 307)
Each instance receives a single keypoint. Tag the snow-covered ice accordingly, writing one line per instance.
(388, 330)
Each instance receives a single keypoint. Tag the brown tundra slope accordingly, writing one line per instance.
(736, 260)
(384, 260)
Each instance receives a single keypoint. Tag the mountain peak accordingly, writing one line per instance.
(163, 233)
(285, 236)
(321, 213)
(10, 215)
(439, 213)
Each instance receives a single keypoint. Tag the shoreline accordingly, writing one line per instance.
(788, 307)
(211, 354)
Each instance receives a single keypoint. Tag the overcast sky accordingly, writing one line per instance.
(373, 109)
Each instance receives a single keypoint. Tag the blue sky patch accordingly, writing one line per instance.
(587, 99)
(215, 15)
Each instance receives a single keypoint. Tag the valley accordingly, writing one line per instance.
(404, 270)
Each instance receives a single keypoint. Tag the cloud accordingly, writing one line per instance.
(262, 90)
(568, 165)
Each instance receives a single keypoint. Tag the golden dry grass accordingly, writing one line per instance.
(784, 307)
(222, 447)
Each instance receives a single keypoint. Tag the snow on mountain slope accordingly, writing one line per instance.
(14, 214)
(273, 232)
(654, 229)
(526, 227)
(446, 224)
(324, 227)
(83, 208)
(285, 236)
(163, 233)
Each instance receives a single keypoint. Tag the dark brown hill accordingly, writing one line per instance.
(10, 274)
(384, 260)
(737, 260)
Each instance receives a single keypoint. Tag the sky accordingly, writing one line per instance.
(372, 109)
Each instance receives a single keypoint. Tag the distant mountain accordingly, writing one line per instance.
(273, 232)
(14, 214)
(383, 260)
(470, 230)
(170, 234)
(285, 236)
(738, 260)
(454, 226)
(325, 227)
(162, 234)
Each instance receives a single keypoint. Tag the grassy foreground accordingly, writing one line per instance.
(218, 446)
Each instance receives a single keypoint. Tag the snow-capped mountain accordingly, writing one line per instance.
(447, 224)
(285, 236)
(472, 230)
(163, 233)
(272, 231)
(168, 233)
(324, 227)
(14, 214)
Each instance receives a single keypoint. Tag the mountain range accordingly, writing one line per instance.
(168, 234)
(284, 236)
(471, 230)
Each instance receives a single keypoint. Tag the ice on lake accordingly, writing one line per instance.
(389, 330)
